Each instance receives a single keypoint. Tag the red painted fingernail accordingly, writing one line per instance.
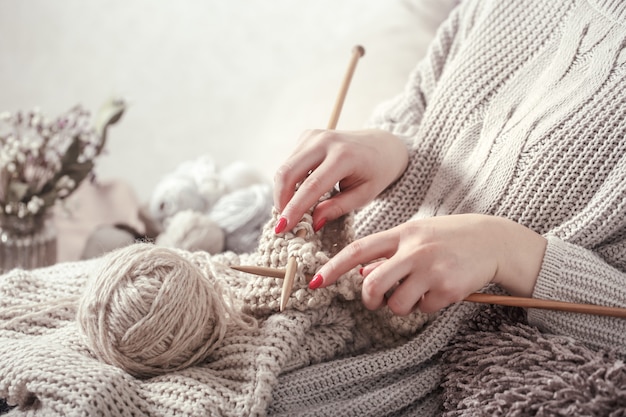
(316, 282)
(280, 226)
(361, 271)
(319, 225)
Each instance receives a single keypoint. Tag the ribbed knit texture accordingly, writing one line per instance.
(519, 111)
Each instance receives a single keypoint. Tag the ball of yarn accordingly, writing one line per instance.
(192, 231)
(150, 311)
(242, 215)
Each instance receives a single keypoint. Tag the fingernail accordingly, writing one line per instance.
(361, 271)
(319, 225)
(280, 226)
(316, 282)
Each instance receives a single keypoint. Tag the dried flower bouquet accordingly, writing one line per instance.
(43, 161)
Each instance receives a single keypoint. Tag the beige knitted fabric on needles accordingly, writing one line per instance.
(311, 252)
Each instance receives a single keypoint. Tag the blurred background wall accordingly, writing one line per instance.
(235, 79)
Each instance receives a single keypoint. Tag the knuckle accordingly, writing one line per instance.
(354, 249)
(307, 134)
(313, 185)
(413, 230)
(337, 210)
(398, 307)
(346, 153)
(446, 287)
(372, 292)
(282, 173)
(369, 289)
(449, 291)
(326, 136)
(427, 304)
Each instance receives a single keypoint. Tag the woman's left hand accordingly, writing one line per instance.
(432, 263)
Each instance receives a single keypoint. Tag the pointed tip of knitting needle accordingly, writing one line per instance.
(260, 270)
(290, 274)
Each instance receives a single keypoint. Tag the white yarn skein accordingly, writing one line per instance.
(242, 215)
(149, 311)
(238, 175)
(192, 231)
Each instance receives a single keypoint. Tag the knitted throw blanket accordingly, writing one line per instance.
(466, 361)
(46, 366)
(494, 365)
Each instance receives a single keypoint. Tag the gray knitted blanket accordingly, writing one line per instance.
(325, 355)
(499, 366)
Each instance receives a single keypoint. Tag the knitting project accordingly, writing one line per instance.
(516, 111)
(70, 343)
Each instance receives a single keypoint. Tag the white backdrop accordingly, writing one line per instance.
(235, 79)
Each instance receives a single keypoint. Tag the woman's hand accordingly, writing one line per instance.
(432, 263)
(363, 163)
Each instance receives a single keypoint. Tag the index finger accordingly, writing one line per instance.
(359, 252)
(314, 185)
(295, 169)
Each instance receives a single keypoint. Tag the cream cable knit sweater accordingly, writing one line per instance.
(519, 111)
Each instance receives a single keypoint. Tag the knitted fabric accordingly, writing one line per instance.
(264, 294)
(517, 111)
(43, 342)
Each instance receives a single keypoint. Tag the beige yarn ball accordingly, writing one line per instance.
(150, 311)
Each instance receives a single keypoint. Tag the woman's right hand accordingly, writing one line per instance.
(362, 162)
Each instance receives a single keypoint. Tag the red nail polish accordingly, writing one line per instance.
(319, 225)
(281, 225)
(316, 282)
(361, 271)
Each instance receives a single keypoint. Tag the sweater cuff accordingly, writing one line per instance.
(574, 274)
(549, 279)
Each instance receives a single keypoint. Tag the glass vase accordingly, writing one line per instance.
(27, 243)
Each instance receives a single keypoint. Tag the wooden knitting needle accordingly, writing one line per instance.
(261, 271)
(265, 271)
(505, 300)
(357, 52)
(292, 266)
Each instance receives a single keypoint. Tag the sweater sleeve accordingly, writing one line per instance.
(585, 262)
(402, 114)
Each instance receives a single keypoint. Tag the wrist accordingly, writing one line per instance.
(520, 256)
